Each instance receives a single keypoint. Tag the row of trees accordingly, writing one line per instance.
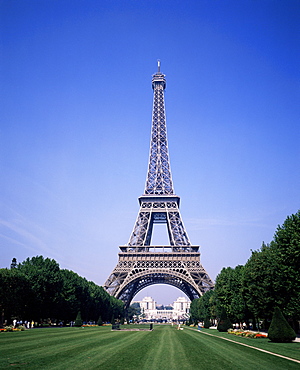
(37, 289)
(270, 278)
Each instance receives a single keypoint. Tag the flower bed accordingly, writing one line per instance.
(11, 328)
(247, 334)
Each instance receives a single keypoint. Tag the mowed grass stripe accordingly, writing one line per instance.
(193, 350)
(173, 348)
(160, 349)
(99, 353)
(36, 338)
(166, 351)
(67, 351)
(100, 348)
(237, 356)
(132, 355)
(258, 349)
(291, 350)
(203, 353)
(286, 349)
(36, 342)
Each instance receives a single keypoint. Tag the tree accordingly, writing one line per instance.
(287, 251)
(272, 274)
(15, 294)
(194, 312)
(133, 310)
(137, 307)
(13, 263)
(78, 294)
(280, 330)
(213, 305)
(259, 282)
(46, 284)
(73, 295)
(116, 308)
(204, 307)
(38, 289)
(229, 293)
(100, 301)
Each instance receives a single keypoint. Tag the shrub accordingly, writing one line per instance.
(78, 321)
(206, 322)
(190, 322)
(224, 323)
(280, 330)
(100, 322)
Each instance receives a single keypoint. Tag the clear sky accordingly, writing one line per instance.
(75, 113)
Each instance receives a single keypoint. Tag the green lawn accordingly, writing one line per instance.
(163, 348)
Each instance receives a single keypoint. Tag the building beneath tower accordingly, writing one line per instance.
(151, 311)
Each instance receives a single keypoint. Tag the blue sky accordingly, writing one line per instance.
(75, 112)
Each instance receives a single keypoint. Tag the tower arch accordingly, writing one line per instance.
(144, 279)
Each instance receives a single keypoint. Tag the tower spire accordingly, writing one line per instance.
(159, 179)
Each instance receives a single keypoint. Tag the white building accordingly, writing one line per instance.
(179, 311)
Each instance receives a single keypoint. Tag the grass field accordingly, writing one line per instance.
(163, 348)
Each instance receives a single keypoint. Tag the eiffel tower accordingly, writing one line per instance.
(140, 263)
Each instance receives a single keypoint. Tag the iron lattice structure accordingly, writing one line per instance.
(140, 263)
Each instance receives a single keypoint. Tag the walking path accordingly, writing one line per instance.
(258, 349)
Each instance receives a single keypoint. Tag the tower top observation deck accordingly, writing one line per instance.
(158, 79)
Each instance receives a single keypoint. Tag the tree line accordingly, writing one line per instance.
(270, 278)
(37, 289)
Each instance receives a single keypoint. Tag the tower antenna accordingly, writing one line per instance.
(158, 65)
